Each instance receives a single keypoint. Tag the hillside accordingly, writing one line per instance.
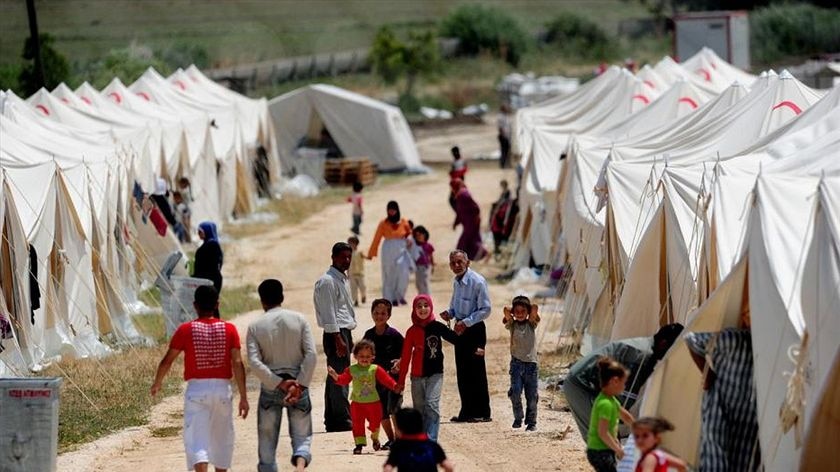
(244, 31)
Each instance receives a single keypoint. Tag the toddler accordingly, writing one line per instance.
(647, 433)
(414, 451)
(364, 400)
(356, 199)
(521, 320)
(424, 259)
(357, 272)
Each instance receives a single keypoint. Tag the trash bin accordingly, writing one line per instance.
(29, 424)
(178, 304)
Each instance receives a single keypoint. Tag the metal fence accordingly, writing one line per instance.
(249, 76)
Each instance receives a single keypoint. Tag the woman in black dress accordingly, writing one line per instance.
(209, 257)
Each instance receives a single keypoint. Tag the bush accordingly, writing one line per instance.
(579, 37)
(183, 54)
(787, 30)
(9, 77)
(128, 64)
(480, 28)
(56, 67)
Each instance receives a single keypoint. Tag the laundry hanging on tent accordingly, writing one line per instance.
(34, 288)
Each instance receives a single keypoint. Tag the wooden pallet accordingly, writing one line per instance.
(348, 170)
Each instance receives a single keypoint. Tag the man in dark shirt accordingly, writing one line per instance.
(638, 355)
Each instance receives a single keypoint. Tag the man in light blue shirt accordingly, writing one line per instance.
(469, 307)
(335, 315)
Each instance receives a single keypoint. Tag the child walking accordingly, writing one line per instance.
(424, 259)
(602, 446)
(356, 199)
(423, 352)
(357, 272)
(364, 400)
(647, 432)
(414, 451)
(521, 320)
(388, 343)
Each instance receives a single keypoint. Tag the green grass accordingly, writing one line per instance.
(166, 431)
(118, 386)
(251, 30)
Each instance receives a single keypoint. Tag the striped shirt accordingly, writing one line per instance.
(729, 430)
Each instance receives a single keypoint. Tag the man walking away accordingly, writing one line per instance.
(281, 351)
(211, 357)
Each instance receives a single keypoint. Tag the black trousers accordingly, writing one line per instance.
(504, 147)
(336, 404)
(472, 373)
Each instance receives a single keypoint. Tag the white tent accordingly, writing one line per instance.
(359, 125)
(633, 195)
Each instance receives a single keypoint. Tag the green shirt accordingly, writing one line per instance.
(607, 408)
(364, 384)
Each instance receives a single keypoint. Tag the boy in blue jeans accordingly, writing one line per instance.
(521, 320)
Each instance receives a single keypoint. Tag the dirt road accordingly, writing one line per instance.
(298, 255)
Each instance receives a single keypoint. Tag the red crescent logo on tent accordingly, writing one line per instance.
(705, 74)
(691, 102)
(181, 84)
(649, 84)
(116, 97)
(63, 99)
(43, 109)
(790, 105)
(144, 95)
(86, 100)
(642, 98)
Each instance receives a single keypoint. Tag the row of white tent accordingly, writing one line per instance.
(75, 242)
(695, 215)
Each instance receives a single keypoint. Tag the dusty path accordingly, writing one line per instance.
(298, 255)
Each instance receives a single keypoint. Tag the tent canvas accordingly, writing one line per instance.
(359, 125)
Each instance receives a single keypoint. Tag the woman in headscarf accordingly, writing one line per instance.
(396, 261)
(468, 215)
(209, 257)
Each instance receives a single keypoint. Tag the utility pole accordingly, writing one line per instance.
(36, 42)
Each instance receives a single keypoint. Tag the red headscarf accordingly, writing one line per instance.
(414, 318)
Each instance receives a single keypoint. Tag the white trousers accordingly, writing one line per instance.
(208, 423)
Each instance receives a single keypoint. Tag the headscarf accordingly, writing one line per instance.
(209, 230)
(417, 321)
(393, 205)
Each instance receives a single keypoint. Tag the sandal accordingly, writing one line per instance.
(357, 450)
(376, 445)
(386, 446)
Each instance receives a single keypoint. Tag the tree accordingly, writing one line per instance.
(415, 58)
(56, 67)
(480, 28)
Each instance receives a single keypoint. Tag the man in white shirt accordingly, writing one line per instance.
(281, 351)
(335, 315)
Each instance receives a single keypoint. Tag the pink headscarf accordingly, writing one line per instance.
(416, 320)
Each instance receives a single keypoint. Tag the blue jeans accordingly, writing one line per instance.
(425, 393)
(523, 376)
(357, 221)
(269, 418)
